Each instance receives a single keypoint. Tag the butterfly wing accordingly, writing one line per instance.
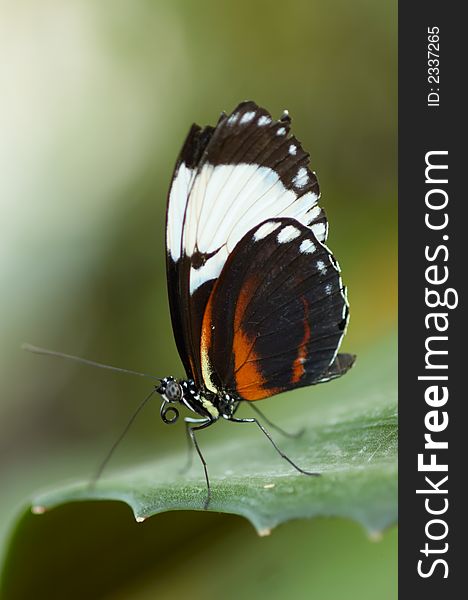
(185, 314)
(227, 180)
(276, 316)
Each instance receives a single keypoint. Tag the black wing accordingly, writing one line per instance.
(276, 315)
(227, 180)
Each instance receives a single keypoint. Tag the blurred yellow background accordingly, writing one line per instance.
(95, 101)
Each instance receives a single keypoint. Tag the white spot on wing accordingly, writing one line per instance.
(264, 120)
(281, 131)
(265, 230)
(307, 247)
(288, 234)
(321, 267)
(247, 117)
(301, 178)
(293, 150)
(233, 119)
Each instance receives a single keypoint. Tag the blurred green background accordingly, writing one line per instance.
(95, 101)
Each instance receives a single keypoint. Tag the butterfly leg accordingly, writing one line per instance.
(191, 433)
(280, 452)
(189, 462)
(289, 434)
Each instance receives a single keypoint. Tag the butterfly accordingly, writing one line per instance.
(256, 298)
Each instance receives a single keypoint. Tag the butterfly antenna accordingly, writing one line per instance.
(85, 361)
(102, 466)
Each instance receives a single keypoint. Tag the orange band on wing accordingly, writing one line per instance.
(250, 382)
(246, 369)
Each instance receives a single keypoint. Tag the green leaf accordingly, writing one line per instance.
(350, 438)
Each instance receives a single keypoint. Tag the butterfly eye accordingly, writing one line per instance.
(173, 391)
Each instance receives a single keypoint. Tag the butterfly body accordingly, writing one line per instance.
(207, 405)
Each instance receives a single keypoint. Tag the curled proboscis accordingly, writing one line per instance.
(169, 413)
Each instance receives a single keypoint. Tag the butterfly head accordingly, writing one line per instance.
(172, 393)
